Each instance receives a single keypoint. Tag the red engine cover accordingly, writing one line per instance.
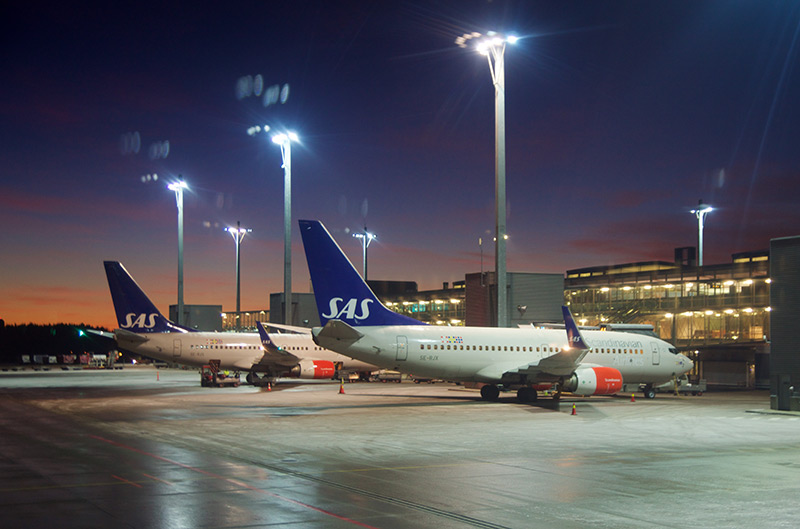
(313, 369)
(595, 381)
(609, 380)
(324, 369)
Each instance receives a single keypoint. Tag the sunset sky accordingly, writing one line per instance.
(620, 116)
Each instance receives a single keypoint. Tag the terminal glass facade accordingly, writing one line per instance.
(688, 306)
(248, 320)
(436, 307)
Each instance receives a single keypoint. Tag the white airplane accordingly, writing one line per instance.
(357, 324)
(143, 330)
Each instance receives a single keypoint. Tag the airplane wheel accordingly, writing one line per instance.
(252, 379)
(649, 393)
(526, 394)
(490, 392)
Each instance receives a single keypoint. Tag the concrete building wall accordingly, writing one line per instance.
(304, 309)
(531, 298)
(199, 317)
(535, 298)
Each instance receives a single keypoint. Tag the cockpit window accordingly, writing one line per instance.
(673, 350)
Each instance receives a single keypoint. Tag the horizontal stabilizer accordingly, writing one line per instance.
(128, 336)
(339, 331)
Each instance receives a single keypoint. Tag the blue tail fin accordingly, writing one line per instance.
(340, 291)
(135, 311)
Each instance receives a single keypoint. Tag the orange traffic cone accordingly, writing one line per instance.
(341, 388)
(574, 412)
(269, 386)
(633, 399)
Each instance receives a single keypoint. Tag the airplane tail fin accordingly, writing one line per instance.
(135, 311)
(340, 291)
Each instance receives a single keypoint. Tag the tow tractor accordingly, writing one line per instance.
(211, 377)
(685, 385)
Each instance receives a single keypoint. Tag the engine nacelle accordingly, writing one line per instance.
(594, 381)
(313, 369)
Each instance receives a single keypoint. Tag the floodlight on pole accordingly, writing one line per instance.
(238, 234)
(700, 212)
(493, 45)
(178, 188)
(366, 238)
(285, 140)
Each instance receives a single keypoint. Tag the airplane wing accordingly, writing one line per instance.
(562, 363)
(290, 328)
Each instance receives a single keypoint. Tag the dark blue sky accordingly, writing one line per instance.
(620, 116)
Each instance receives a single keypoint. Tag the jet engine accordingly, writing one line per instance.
(594, 381)
(313, 369)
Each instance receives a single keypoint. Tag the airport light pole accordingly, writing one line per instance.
(493, 46)
(178, 188)
(284, 140)
(366, 238)
(700, 212)
(238, 234)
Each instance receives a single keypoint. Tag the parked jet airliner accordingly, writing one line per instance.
(143, 330)
(357, 324)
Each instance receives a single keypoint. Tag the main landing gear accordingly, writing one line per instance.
(490, 392)
(257, 381)
(526, 394)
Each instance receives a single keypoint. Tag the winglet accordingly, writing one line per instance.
(574, 336)
(266, 341)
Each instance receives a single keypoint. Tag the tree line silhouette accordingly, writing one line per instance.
(53, 340)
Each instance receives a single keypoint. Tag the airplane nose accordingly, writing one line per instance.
(688, 364)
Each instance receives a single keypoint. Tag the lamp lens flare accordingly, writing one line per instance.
(282, 138)
(175, 186)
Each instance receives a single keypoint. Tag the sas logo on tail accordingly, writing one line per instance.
(142, 321)
(348, 311)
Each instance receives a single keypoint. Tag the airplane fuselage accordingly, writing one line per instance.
(236, 351)
(495, 355)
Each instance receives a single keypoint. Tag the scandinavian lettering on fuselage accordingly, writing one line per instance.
(617, 344)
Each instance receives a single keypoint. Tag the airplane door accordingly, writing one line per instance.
(176, 348)
(656, 355)
(402, 348)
